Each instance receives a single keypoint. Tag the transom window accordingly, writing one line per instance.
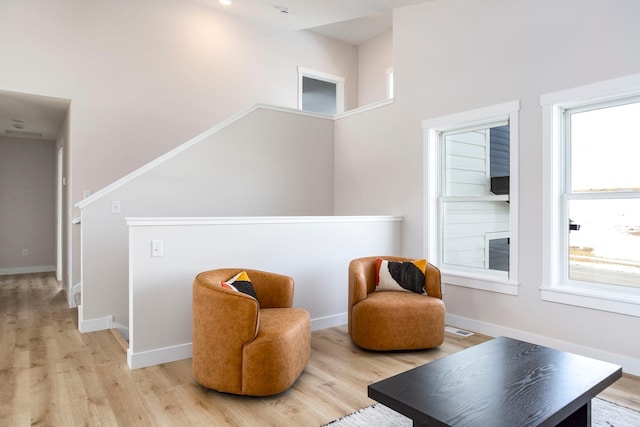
(471, 213)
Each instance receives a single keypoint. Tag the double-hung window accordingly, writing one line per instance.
(471, 200)
(592, 194)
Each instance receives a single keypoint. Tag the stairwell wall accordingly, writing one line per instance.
(269, 162)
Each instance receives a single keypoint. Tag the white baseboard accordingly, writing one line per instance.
(71, 295)
(124, 330)
(93, 325)
(158, 356)
(27, 270)
(171, 354)
(629, 364)
(328, 321)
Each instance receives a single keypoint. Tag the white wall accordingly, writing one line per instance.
(27, 204)
(314, 251)
(453, 56)
(375, 57)
(267, 162)
(146, 76)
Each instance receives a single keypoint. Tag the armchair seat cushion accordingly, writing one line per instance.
(398, 320)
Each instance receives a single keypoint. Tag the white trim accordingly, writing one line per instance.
(93, 325)
(325, 77)
(474, 118)
(155, 357)
(122, 329)
(184, 351)
(630, 365)
(554, 288)
(172, 153)
(431, 207)
(329, 321)
(27, 270)
(71, 295)
(488, 283)
(151, 221)
(596, 299)
(365, 108)
(59, 208)
(596, 92)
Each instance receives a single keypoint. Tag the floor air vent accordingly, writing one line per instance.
(460, 332)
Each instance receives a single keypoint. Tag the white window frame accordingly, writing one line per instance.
(325, 77)
(555, 288)
(432, 129)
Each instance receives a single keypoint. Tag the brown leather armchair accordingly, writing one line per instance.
(393, 320)
(246, 346)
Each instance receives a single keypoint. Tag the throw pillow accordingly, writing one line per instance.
(240, 283)
(400, 276)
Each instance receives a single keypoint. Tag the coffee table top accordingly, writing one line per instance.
(502, 382)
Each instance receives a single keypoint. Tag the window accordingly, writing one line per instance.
(390, 90)
(471, 201)
(320, 92)
(592, 196)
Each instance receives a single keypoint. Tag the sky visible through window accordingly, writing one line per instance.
(605, 157)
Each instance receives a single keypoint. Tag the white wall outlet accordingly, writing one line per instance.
(25, 252)
(156, 248)
(86, 193)
(115, 206)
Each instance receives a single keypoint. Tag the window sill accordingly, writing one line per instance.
(615, 302)
(484, 283)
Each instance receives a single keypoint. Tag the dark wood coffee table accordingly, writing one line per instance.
(502, 382)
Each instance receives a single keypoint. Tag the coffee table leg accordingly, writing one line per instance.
(580, 418)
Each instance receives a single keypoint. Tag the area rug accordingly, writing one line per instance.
(603, 414)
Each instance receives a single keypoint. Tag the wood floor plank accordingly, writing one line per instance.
(51, 374)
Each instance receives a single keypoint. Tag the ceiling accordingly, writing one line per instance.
(352, 21)
(31, 116)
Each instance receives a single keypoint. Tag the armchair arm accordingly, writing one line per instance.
(358, 281)
(432, 281)
(273, 290)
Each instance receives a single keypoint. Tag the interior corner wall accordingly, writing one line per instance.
(267, 163)
(375, 58)
(453, 56)
(27, 201)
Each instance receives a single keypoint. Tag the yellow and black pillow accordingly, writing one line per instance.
(240, 283)
(400, 276)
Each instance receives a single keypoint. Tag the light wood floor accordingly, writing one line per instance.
(50, 374)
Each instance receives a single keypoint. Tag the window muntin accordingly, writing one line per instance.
(602, 194)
